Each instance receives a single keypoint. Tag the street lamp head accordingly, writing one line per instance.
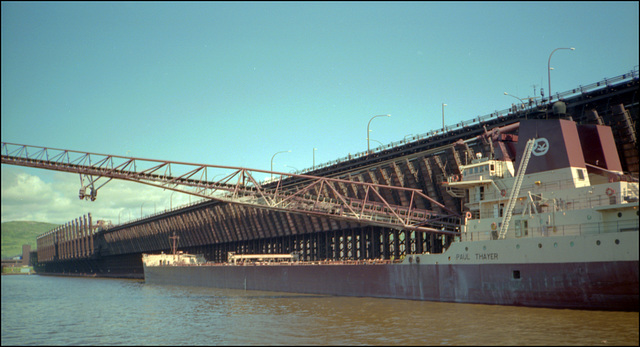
(380, 115)
(549, 68)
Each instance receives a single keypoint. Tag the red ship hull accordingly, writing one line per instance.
(592, 285)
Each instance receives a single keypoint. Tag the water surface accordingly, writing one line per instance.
(45, 310)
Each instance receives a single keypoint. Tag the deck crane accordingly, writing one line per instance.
(347, 200)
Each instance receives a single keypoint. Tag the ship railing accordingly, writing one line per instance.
(628, 192)
(545, 206)
(554, 186)
(307, 262)
(562, 230)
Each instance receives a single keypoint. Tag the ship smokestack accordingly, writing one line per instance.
(560, 110)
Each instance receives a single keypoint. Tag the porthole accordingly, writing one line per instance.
(410, 260)
(517, 246)
(484, 248)
(617, 242)
(555, 245)
(466, 249)
(619, 214)
(417, 260)
(571, 243)
(539, 245)
(598, 242)
(516, 274)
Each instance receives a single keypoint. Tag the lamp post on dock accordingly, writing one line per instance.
(381, 144)
(443, 105)
(292, 167)
(549, 69)
(505, 93)
(382, 115)
(314, 159)
(522, 101)
(274, 157)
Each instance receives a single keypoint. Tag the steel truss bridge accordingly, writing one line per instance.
(317, 196)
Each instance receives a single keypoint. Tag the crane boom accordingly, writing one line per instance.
(311, 195)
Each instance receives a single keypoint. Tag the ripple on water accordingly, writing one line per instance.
(42, 310)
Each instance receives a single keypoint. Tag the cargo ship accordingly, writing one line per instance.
(550, 222)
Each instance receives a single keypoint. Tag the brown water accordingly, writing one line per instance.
(41, 310)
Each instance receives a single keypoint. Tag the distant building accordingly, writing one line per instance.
(26, 249)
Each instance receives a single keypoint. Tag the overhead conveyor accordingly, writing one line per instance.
(347, 200)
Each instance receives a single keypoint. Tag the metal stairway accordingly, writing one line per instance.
(516, 188)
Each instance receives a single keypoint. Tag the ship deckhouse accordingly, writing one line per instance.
(566, 179)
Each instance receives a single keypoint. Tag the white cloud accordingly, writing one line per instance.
(27, 197)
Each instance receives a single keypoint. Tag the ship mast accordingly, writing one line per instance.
(174, 240)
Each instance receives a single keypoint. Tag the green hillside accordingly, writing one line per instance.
(16, 234)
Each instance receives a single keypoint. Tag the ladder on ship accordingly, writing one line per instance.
(515, 191)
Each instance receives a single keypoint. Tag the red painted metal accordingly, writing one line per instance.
(538, 285)
(318, 196)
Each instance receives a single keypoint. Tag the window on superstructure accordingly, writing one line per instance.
(580, 175)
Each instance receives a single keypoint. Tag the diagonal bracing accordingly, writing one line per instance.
(311, 195)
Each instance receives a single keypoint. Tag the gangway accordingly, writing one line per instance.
(315, 196)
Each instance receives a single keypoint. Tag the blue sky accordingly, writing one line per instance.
(233, 83)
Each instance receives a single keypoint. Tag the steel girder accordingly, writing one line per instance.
(317, 196)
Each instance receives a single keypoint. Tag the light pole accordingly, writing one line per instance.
(443, 105)
(381, 144)
(293, 167)
(505, 93)
(382, 115)
(549, 69)
(314, 159)
(272, 160)
(523, 104)
(141, 208)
